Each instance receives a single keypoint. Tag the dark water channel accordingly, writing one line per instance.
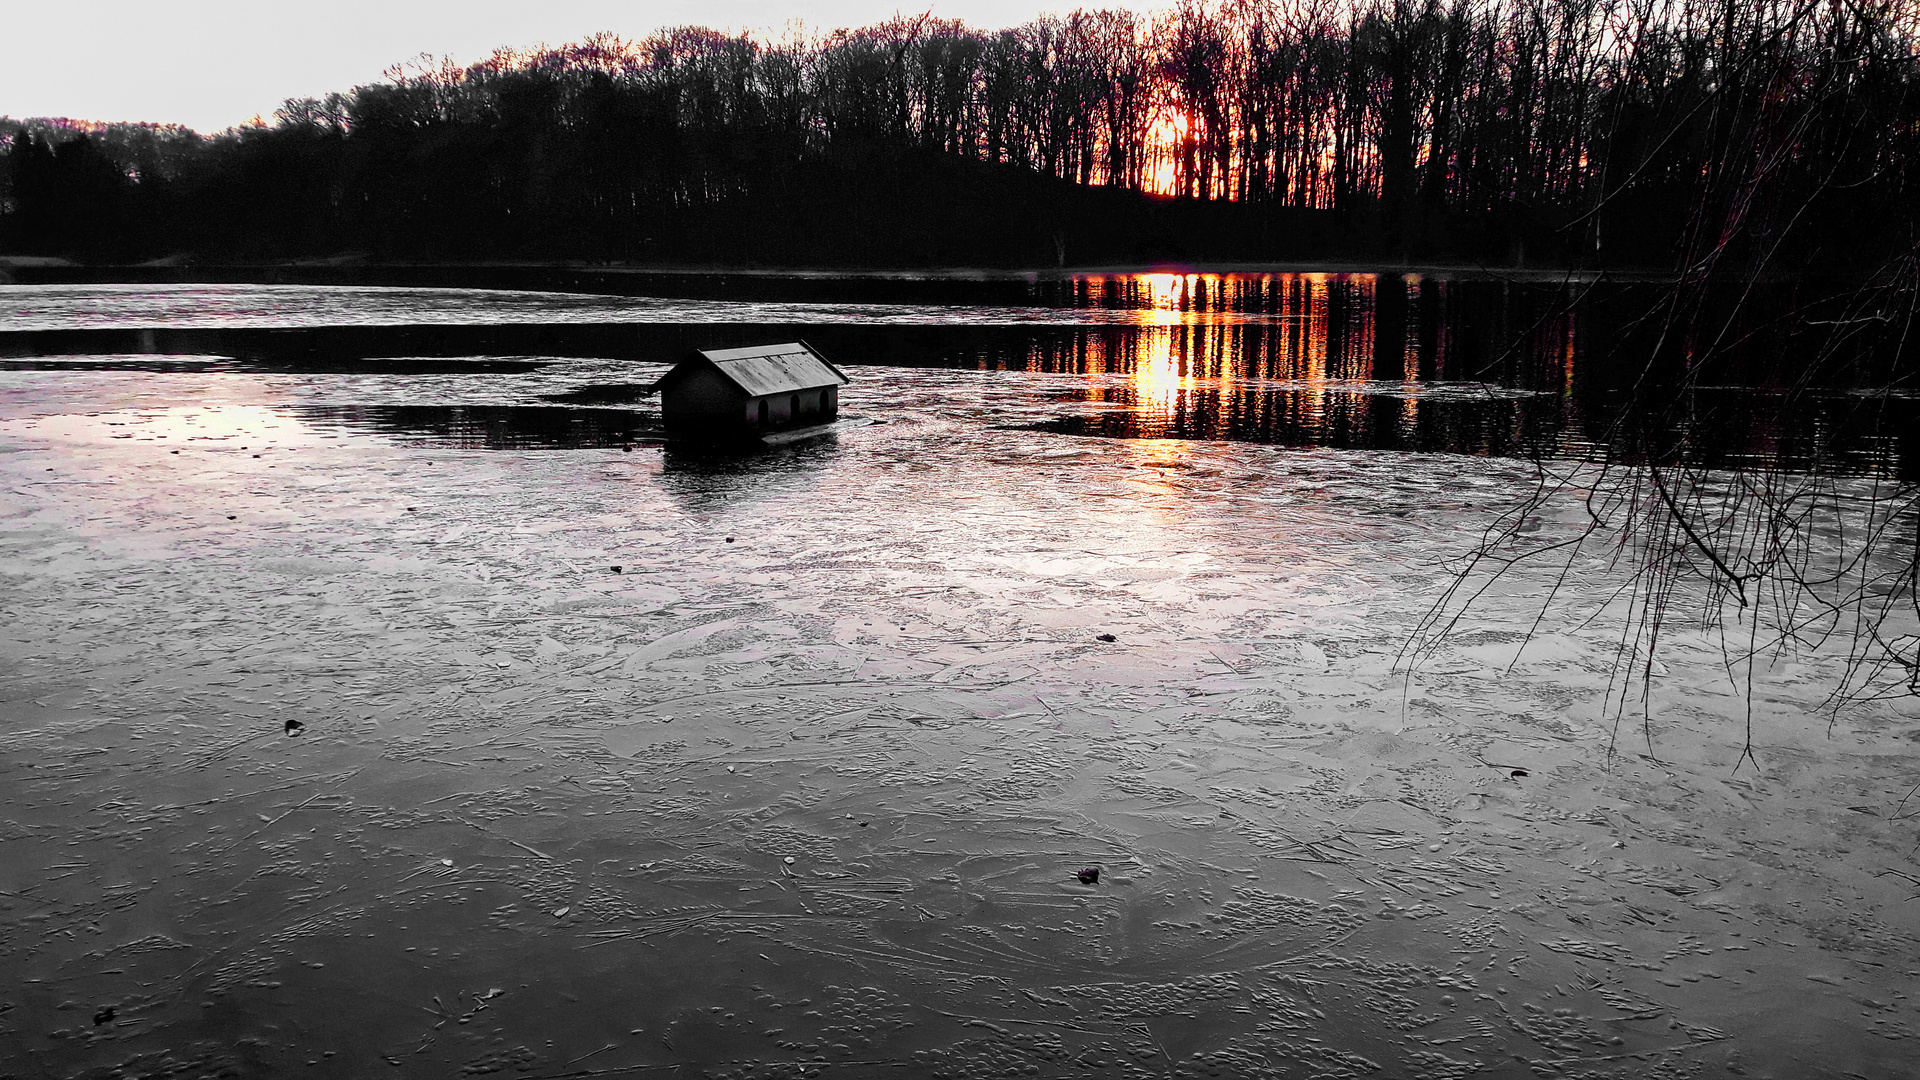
(1358, 361)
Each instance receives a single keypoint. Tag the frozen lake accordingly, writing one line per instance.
(613, 760)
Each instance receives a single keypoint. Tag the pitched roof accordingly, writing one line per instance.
(768, 369)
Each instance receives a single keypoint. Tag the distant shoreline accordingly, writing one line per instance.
(36, 270)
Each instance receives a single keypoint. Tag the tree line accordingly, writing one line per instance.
(1588, 132)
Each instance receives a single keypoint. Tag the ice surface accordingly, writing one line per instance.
(806, 784)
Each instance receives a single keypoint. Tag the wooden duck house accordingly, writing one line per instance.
(745, 393)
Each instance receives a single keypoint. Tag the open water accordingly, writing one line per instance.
(1523, 368)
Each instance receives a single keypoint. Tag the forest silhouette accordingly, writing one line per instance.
(1688, 134)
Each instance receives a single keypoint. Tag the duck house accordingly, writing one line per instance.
(745, 393)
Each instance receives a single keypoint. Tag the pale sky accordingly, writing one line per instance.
(210, 64)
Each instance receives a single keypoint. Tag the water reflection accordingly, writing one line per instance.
(709, 479)
(1358, 361)
(1344, 326)
(491, 427)
(1349, 360)
(1406, 362)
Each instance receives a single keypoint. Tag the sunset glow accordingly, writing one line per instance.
(1170, 129)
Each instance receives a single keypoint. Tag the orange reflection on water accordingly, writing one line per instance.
(1341, 359)
(1156, 374)
(1168, 298)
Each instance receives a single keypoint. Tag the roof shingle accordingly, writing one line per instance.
(773, 369)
